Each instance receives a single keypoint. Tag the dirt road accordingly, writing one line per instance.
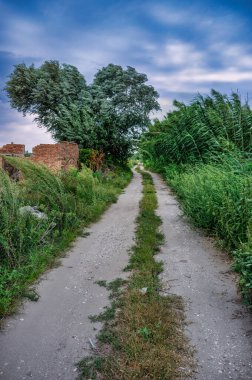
(47, 338)
(219, 326)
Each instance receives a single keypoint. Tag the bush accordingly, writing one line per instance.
(91, 158)
(85, 156)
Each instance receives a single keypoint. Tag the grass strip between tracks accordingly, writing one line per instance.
(142, 337)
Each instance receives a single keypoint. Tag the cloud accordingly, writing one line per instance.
(23, 38)
(87, 48)
(166, 105)
(208, 22)
(168, 15)
(194, 81)
(21, 130)
(176, 54)
(234, 55)
(202, 77)
(103, 47)
(184, 67)
(183, 50)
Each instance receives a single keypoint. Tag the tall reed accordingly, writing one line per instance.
(204, 150)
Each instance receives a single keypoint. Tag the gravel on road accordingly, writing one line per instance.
(47, 338)
(219, 325)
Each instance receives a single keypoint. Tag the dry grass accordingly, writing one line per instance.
(151, 340)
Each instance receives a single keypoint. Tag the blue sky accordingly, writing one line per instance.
(184, 47)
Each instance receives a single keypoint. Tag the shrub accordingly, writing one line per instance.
(91, 158)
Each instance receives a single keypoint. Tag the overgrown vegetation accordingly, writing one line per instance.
(143, 333)
(204, 151)
(68, 202)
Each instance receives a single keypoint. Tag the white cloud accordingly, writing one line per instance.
(98, 49)
(236, 55)
(24, 38)
(177, 53)
(183, 67)
(171, 63)
(89, 50)
(189, 81)
(21, 130)
(168, 15)
(166, 105)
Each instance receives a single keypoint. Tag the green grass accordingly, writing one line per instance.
(218, 198)
(142, 337)
(28, 246)
(204, 131)
(204, 150)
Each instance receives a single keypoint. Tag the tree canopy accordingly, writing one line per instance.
(122, 102)
(107, 115)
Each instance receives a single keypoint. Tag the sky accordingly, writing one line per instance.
(185, 47)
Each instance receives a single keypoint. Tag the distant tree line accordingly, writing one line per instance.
(107, 115)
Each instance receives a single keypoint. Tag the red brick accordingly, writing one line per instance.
(56, 156)
(13, 150)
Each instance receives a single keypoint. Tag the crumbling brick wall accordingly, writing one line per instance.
(13, 150)
(1, 162)
(56, 156)
(16, 150)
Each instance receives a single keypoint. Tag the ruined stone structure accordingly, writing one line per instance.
(15, 150)
(56, 156)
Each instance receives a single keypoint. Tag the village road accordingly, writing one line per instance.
(219, 325)
(47, 338)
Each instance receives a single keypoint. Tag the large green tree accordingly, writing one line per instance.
(121, 103)
(50, 92)
(107, 115)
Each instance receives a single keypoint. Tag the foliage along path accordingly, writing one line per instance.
(219, 325)
(47, 338)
